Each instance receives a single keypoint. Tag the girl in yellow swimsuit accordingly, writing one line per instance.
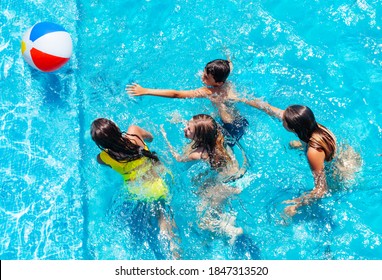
(128, 154)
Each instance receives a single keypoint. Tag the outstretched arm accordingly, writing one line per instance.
(137, 90)
(316, 161)
(264, 106)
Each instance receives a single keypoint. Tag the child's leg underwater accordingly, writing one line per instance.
(167, 226)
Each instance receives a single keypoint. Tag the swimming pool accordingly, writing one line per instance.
(58, 203)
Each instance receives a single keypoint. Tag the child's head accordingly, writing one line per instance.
(216, 72)
(108, 137)
(105, 133)
(202, 129)
(300, 120)
(205, 133)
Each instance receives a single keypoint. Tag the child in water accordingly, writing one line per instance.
(320, 145)
(216, 89)
(318, 141)
(128, 154)
(208, 144)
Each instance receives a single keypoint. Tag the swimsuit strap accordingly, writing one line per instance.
(138, 138)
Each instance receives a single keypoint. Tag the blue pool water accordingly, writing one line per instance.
(58, 203)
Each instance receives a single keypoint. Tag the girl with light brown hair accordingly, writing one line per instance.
(208, 144)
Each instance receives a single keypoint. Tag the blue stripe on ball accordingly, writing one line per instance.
(42, 28)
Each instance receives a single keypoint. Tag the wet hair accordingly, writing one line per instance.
(219, 69)
(209, 137)
(301, 120)
(109, 138)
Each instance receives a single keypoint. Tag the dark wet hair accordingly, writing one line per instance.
(209, 137)
(219, 69)
(109, 138)
(301, 120)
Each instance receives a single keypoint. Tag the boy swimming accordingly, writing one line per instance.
(216, 89)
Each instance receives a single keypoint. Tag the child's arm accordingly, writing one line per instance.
(316, 161)
(137, 90)
(264, 106)
(180, 158)
(141, 133)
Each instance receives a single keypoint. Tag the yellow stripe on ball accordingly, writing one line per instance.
(23, 47)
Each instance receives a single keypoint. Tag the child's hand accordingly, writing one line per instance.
(295, 144)
(290, 201)
(135, 89)
(291, 210)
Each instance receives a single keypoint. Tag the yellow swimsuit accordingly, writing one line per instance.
(132, 172)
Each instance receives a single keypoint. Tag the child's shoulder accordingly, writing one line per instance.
(197, 154)
(205, 91)
(223, 93)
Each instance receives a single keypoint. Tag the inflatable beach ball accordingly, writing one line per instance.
(46, 46)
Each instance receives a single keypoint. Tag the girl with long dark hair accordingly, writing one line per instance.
(128, 154)
(319, 141)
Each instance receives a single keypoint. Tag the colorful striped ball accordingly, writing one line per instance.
(46, 46)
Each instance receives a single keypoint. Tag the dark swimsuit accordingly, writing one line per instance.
(235, 130)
